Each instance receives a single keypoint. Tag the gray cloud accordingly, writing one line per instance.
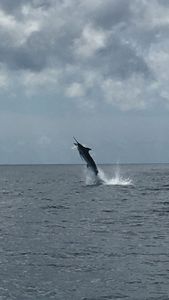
(119, 60)
(95, 46)
(22, 59)
(59, 28)
(163, 2)
(111, 13)
(13, 7)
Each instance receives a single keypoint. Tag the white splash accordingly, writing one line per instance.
(101, 178)
(116, 180)
(91, 178)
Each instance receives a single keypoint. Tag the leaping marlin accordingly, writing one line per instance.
(84, 153)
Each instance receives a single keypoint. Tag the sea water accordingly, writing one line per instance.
(64, 238)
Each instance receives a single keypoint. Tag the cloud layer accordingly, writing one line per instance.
(113, 51)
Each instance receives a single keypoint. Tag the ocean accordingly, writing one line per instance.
(65, 237)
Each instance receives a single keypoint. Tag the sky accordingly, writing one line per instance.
(97, 70)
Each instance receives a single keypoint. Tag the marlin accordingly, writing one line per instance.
(84, 153)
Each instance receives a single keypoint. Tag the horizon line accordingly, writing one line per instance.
(78, 164)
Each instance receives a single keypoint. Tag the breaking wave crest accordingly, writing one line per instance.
(101, 178)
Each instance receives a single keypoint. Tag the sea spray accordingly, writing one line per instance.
(118, 179)
(102, 178)
(91, 178)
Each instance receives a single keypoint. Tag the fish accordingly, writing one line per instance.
(85, 155)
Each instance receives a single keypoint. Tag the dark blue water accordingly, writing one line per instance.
(62, 239)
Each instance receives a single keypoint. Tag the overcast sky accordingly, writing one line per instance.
(95, 69)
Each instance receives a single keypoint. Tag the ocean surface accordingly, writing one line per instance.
(65, 237)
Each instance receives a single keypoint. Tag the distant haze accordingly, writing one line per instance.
(96, 69)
